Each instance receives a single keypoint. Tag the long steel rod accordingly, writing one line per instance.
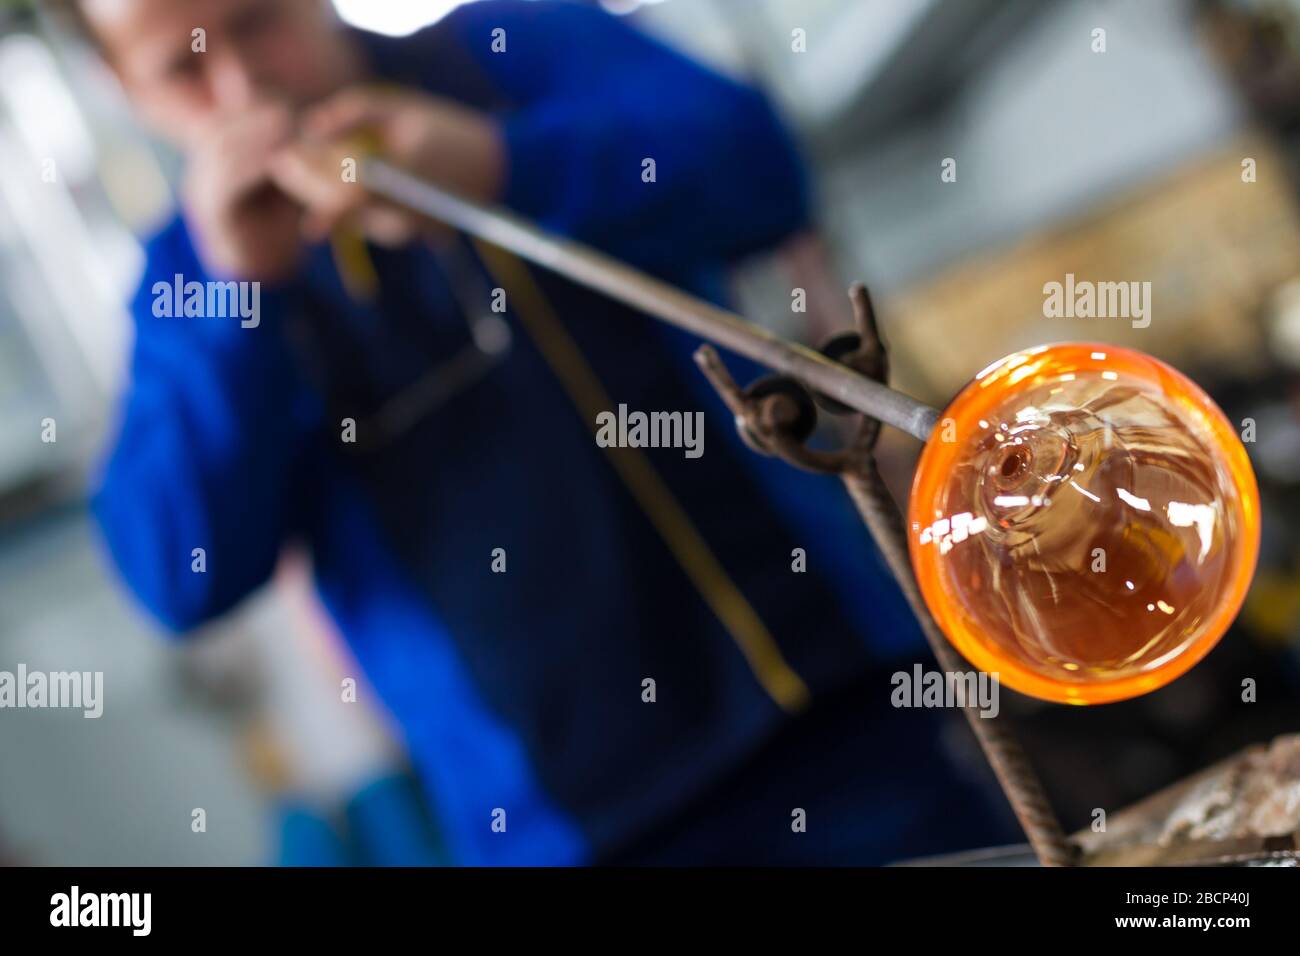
(619, 281)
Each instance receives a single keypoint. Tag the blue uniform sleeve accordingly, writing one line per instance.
(596, 99)
(204, 455)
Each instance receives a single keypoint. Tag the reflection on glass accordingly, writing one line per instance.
(1091, 531)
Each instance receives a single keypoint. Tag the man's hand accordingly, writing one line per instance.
(245, 227)
(436, 139)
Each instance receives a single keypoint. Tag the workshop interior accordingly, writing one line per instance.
(959, 156)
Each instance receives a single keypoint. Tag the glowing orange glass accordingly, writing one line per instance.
(1084, 521)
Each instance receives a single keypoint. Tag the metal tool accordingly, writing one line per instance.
(632, 287)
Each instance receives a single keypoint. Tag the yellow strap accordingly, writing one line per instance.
(354, 265)
(654, 497)
(351, 254)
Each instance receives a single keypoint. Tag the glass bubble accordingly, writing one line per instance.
(1084, 521)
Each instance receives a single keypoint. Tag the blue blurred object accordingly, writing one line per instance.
(307, 838)
(386, 823)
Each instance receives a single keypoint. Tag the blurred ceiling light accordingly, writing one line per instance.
(1283, 323)
(622, 7)
(394, 17)
(42, 109)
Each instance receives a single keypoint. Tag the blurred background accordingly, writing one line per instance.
(1116, 165)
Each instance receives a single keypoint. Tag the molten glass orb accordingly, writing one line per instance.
(1084, 521)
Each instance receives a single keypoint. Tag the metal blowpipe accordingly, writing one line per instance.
(632, 287)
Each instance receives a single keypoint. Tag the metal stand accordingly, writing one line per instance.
(771, 422)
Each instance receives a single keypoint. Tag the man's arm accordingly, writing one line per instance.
(597, 98)
(594, 103)
(205, 453)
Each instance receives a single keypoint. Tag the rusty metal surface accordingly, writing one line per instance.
(1241, 810)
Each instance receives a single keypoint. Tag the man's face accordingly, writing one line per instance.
(257, 51)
